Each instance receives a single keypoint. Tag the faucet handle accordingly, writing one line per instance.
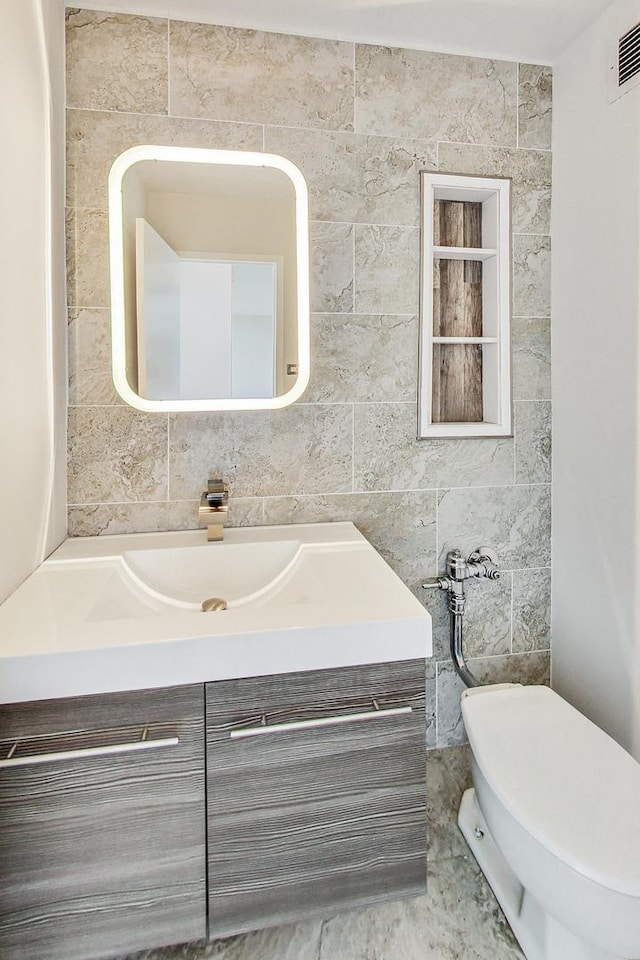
(483, 553)
(217, 493)
(486, 562)
(437, 583)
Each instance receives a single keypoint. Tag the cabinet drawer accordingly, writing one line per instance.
(102, 847)
(316, 793)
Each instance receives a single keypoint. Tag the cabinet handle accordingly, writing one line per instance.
(318, 722)
(87, 752)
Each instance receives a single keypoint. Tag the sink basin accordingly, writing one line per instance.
(235, 572)
(112, 613)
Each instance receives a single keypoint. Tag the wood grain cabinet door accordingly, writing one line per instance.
(102, 827)
(316, 793)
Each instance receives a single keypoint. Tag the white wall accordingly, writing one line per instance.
(32, 299)
(596, 383)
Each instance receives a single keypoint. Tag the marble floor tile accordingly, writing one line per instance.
(457, 919)
(458, 762)
(444, 839)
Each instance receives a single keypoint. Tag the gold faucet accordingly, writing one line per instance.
(214, 505)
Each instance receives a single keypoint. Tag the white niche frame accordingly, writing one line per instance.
(494, 193)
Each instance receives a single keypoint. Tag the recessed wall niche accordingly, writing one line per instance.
(465, 369)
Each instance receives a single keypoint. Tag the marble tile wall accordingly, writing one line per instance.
(360, 121)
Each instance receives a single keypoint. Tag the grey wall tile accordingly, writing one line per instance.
(530, 171)
(89, 358)
(386, 269)
(531, 276)
(431, 705)
(354, 177)
(413, 93)
(357, 421)
(95, 138)
(449, 725)
(87, 258)
(230, 74)
(531, 352)
(387, 455)
(401, 526)
(331, 267)
(526, 668)
(117, 518)
(363, 358)
(533, 441)
(531, 610)
(486, 622)
(301, 449)
(116, 454)
(116, 61)
(534, 105)
(514, 521)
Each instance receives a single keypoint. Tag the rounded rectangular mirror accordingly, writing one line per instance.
(209, 256)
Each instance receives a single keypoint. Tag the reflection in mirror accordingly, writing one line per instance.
(209, 279)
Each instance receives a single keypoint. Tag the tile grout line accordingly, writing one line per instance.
(517, 101)
(311, 129)
(512, 588)
(353, 447)
(96, 208)
(355, 98)
(168, 67)
(168, 416)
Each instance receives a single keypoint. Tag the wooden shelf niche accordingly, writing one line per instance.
(465, 374)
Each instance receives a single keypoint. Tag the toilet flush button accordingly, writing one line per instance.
(478, 833)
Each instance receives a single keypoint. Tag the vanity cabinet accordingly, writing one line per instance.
(102, 840)
(314, 802)
(315, 793)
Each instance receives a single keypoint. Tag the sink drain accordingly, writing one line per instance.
(213, 603)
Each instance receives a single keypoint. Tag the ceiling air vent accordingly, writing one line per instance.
(626, 71)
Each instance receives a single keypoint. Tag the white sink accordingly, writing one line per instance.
(234, 572)
(124, 613)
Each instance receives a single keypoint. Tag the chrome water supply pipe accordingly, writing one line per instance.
(481, 564)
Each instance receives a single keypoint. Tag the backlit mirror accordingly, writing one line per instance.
(209, 279)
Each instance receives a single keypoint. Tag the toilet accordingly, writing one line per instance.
(553, 820)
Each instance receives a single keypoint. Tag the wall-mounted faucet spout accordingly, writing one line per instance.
(482, 563)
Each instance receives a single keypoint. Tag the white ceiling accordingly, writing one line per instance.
(533, 31)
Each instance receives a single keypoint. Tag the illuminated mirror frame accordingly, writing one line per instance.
(116, 253)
